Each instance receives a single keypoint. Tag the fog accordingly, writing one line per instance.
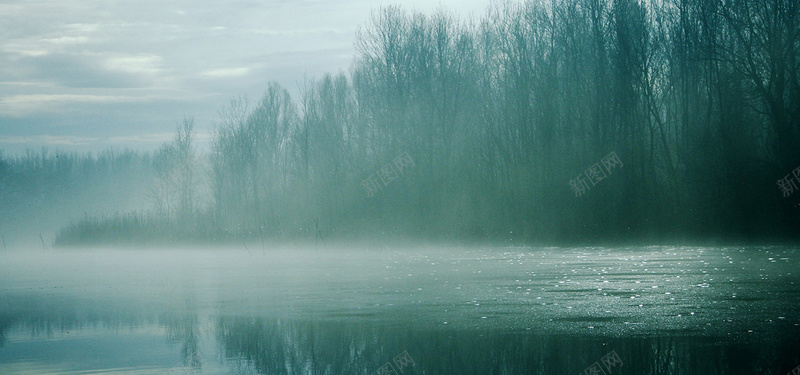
(547, 187)
(350, 310)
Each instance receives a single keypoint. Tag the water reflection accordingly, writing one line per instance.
(244, 344)
(334, 347)
(46, 316)
(661, 311)
(4, 327)
(184, 330)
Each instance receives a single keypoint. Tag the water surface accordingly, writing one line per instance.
(457, 310)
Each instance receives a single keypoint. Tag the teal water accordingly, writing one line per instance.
(456, 310)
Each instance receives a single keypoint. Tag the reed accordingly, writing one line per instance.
(44, 244)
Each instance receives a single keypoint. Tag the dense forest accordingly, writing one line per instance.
(558, 121)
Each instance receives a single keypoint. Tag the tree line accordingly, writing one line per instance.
(505, 124)
(41, 191)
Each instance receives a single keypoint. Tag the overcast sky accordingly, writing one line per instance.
(88, 75)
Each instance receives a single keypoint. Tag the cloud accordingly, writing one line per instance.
(85, 70)
(95, 70)
(299, 32)
(22, 105)
(227, 72)
(75, 140)
(68, 40)
(147, 64)
(141, 138)
(49, 140)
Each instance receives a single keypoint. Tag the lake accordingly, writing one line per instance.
(401, 310)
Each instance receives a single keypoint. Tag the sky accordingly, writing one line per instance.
(95, 74)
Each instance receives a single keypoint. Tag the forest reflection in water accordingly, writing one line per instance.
(244, 344)
(642, 311)
(276, 347)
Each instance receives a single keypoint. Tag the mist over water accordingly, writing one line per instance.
(352, 310)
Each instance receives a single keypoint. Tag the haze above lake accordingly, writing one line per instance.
(451, 309)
